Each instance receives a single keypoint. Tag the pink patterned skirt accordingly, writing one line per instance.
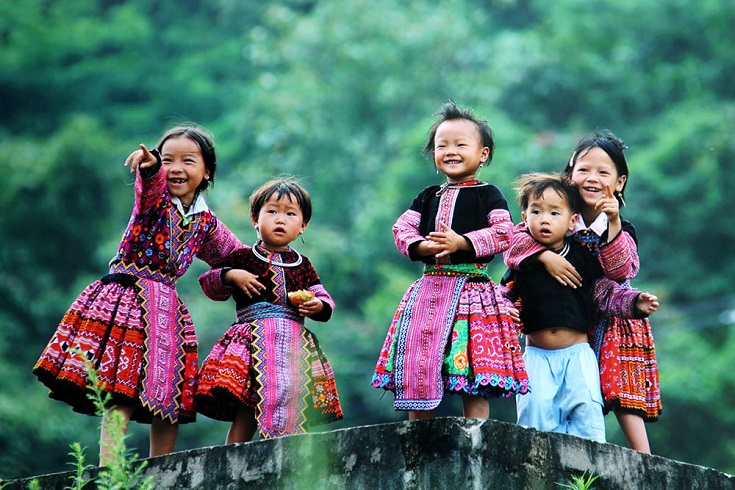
(451, 334)
(268, 361)
(106, 326)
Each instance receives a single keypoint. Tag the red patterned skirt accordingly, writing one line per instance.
(628, 368)
(268, 361)
(105, 326)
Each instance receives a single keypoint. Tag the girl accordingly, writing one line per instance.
(625, 348)
(452, 331)
(267, 371)
(131, 324)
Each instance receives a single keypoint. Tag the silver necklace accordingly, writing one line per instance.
(275, 262)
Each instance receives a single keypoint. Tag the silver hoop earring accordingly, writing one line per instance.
(437, 171)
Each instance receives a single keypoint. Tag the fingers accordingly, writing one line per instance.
(140, 158)
(608, 192)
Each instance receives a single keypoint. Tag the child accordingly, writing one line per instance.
(555, 318)
(452, 331)
(267, 370)
(624, 347)
(131, 324)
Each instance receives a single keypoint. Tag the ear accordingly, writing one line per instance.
(621, 182)
(573, 221)
(485, 154)
(523, 217)
(304, 225)
(254, 220)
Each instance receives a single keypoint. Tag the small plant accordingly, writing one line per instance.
(121, 473)
(78, 456)
(581, 482)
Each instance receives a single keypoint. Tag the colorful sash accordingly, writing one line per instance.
(163, 372)
(280, 361)
(422, 333)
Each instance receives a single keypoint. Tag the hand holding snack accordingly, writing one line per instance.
(297, 298)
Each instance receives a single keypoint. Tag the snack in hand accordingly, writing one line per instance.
(300, 297)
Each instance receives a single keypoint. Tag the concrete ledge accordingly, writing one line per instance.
(451, 452)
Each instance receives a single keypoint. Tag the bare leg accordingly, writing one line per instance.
(420, 414)
(634, 430)
(163, 437)
(242, 428)
(475, 407)
(121, 413)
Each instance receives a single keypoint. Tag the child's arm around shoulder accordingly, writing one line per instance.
(524, 249)
(219, 283)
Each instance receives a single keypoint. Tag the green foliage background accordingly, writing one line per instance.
(341, 94)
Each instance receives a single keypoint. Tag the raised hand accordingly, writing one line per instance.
(140, 159)
(609, 204)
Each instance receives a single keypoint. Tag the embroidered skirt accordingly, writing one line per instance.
(451, 334)
(269, 362)
(628, 368)
(107, 327)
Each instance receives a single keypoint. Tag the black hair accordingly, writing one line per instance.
(450, 112)
(282, 186)
(534, 184)
(201, 137)
(610, 144)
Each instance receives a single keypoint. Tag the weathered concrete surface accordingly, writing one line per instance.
(445, 453)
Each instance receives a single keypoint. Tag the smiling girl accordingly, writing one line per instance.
(624, 347)
(452, 332)
(131, 325)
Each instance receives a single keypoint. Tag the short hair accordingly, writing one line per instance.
(281, 186)
(450, 112)
(534, 185)
(610, 144)
(201, 137)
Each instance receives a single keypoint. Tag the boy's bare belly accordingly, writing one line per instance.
(555, 338)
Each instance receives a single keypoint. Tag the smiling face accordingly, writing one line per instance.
(279, 222)
(183, 163)
(592, 170)
(458, 150)
(548, 218)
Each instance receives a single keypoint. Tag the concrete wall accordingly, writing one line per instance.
(443, 453)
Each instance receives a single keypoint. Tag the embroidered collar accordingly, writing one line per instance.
(448, 185)
(598, 226)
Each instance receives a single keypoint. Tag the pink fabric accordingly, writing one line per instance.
(494, 239)
(163, 371)
(422, 332)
